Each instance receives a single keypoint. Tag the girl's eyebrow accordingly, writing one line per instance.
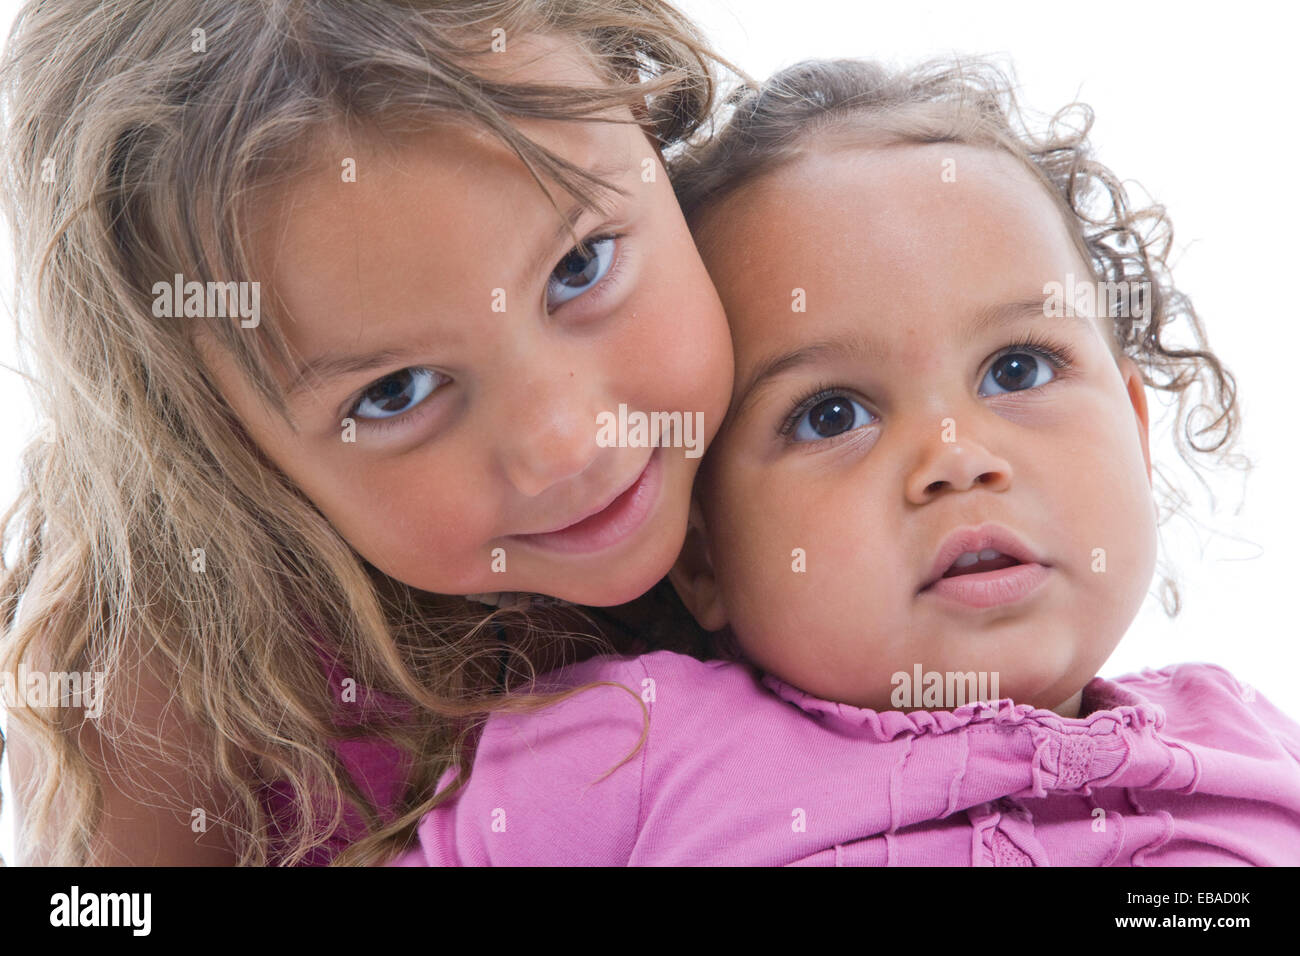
(864, 347)
(332, 365)
(539, 260)
(541, 257)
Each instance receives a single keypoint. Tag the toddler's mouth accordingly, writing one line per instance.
(976, 562)
(983, 567)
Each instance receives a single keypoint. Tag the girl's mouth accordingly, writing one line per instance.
(614, 523)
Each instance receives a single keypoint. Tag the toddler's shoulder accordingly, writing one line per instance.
(1208, 700)
(1184, 679)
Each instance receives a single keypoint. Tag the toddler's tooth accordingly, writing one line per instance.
(966, 559)
(988, 554)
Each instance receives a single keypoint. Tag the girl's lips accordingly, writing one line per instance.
(616, 522)
(991, 588)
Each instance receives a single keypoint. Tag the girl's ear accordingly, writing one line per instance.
(692, 576)
(1137, 395)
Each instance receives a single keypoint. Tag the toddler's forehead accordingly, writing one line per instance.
(903, 243)
(827, 171)
(910, 197)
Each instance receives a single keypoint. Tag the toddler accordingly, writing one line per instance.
(926, 523)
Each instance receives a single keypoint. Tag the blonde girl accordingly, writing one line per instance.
(322, 301)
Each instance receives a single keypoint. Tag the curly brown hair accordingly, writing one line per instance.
(762, 127)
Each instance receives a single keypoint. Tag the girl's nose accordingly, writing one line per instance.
(955, 459)
(551, 437)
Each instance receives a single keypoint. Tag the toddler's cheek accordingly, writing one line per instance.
(1113, 539)
(782, 572)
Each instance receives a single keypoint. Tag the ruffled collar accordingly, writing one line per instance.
(1106, 705)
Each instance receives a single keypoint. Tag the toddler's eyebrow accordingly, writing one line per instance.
(765, 373)
(861, 346)
(991, 315)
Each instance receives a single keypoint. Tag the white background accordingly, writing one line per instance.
(1194, 101)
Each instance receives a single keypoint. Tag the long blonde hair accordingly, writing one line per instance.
(129, 156)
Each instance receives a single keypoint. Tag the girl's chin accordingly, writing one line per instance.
(608, 594)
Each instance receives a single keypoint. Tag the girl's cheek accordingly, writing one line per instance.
(682, 328)
(703, 367)
(449, 515)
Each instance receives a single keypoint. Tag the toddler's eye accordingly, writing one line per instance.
(397, 393)
(1016, 372)
(581, 269)
(828, 417)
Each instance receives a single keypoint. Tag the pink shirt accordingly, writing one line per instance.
(377, 767)
(1171, 767)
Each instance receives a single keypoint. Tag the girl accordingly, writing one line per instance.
(325, 301)
(933, 487)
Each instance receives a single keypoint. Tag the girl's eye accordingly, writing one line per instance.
(579, 271)
(828, 417)
(397, 393)
(1017, 372)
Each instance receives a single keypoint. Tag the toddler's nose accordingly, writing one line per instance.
(959, 464)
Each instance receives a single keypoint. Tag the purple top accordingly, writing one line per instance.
(1172, 767)
(376, 766)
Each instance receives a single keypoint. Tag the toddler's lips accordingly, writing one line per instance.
(985, 567)
(617, 521)
(991, 588)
